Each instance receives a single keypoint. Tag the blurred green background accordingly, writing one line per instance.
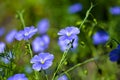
(57, 13)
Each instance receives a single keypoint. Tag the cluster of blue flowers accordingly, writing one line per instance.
(43, 60)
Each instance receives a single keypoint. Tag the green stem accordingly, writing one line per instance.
(62, 60)
(21, 18)
(29, 47)
(87, 14)
(79, 64)
(36, 75)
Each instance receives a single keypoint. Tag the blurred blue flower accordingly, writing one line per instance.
(28, 69)
(43, 26)
(2, 31)
(2, 47)
(39, 44)
(10, 36)
(63, 77)
(115, 10)
(6, 59)
(42, 61)
(68, 33)
(18, 77)
(26, 34)
(115, 54)
(100, 37)
(64, 44)
(75, 8)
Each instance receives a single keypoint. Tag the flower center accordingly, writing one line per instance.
(26, 34)
(42, 61)
(42, 43)
(68, 34)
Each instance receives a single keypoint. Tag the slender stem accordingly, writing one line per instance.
(62, 60)
(29, 47)
(79, 64)
(20, 13)
(36, 75)
(116, 41)
(87, 14)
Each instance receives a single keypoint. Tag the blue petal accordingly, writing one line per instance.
(62, 32)
(73, 30)
(114, 55)
(19, 36)
(36, 66)
(35, 59)
(47, 64)
(10, 36)
(46, 56)
(63, 77)
(43, 26)
(2, 47)
(75, 8)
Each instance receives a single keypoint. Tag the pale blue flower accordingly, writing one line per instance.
(115, 10)
(26, 34)
(69, 33)
(63, 77)
(2, 47)
(64, 44)
(10, 36)
(100, 37)
(42, 61)
(75, 8)
(6, 59)
(39, 44)
(18, 77)
(43, 26)
(2, 31)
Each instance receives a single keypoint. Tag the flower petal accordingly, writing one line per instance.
(37, 66)
(35, 59)
(19, 36)
(47, 64)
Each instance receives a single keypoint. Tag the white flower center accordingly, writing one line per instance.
(68, 34)
(42, 43)
(42, 61)
(26, 34)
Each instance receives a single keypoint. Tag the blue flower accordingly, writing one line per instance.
(18, 77)
(2, 47)
(42, 61)
(63, 77)
(115, 10)
(68, 33)
(64, 44)
(43, 26)
(28, 69)
(115, 54)
(39, 44)
(6, 59)
(10, 36)
(2, 31)
(75, 8)
(100, 37)
(26, 34)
